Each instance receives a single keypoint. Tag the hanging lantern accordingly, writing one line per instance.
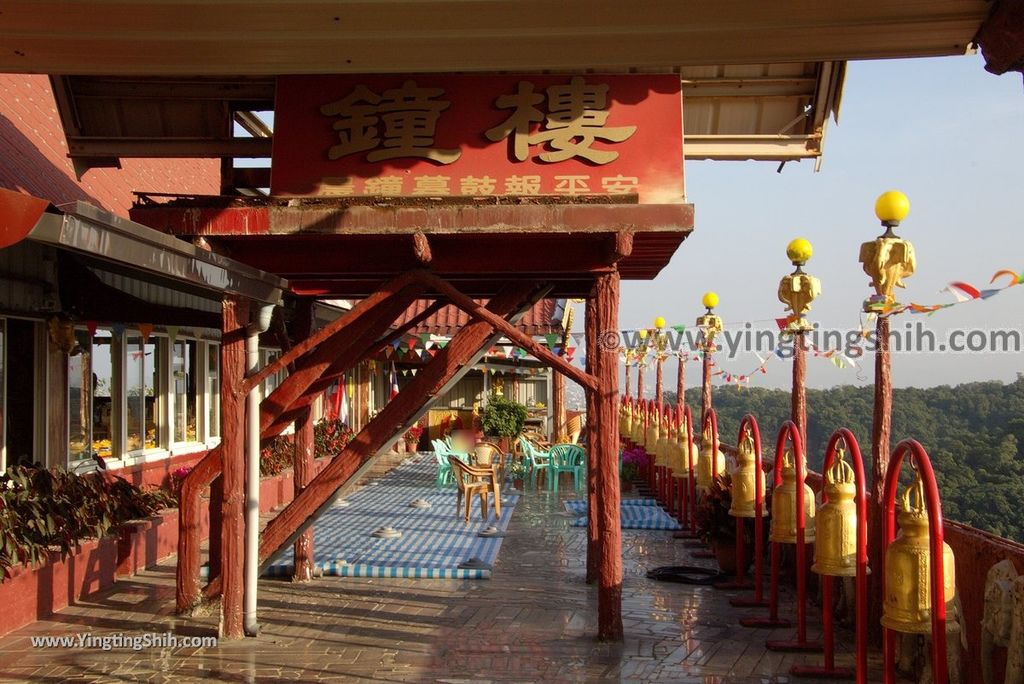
(710, 461)
(835, 550)
(744, 484)
(784, 506)
(907, 601)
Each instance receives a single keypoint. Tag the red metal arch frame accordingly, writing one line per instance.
(922, 464)
(749, 422)
(845, 436)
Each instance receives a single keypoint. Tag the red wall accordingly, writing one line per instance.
(33, 156)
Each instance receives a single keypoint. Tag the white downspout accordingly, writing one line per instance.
(252, 471)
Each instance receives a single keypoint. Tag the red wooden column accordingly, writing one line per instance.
(558, 405)
(232, 443)
(881, 428)
(798, 396)
(302, 465)
(640, 381)
(605, 301)
(593, 538)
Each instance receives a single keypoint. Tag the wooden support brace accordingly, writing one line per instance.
(364, 308)
(508, 330)
(455, 358)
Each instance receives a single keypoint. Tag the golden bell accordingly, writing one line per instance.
(664, 458)
(710, 461)
(744, 484)
(626, 423)
(653, 435)
(784, 506)
(835, 550)
(907, 603)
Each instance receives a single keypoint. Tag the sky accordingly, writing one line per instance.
(945, 132)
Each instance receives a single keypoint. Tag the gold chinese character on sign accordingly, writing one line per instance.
(620, 185)
(473, 185)
(576, 118)
(522, 185)
(400, 122)
(571, 185)
(432, 185)
(342, 186)
(384, 185)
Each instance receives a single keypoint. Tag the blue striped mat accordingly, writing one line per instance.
(434, 541)
(635, 514)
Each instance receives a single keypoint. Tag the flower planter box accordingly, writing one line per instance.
(34, 593)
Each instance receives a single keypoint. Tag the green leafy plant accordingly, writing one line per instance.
(44, 511)
(277, 456)
(330, 437)
(503, 417)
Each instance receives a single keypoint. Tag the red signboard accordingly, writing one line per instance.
(438, 135)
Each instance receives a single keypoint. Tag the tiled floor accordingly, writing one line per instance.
(534, 621)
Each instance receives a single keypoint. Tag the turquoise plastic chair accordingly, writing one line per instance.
(537, 459)
(567, 458)
(444, 468)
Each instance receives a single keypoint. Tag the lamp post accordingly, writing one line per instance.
(887, 259)
(797, 290)
(710, 324)
(660, 342)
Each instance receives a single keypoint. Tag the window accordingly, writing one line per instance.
(142, 388)
(212, 390)
(184, 372)
(90, 407)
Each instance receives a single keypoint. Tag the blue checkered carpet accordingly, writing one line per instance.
(635, 514)
(434, 542)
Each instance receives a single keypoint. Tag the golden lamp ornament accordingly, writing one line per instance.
(907, 605)
(784, 506)
(798, 289)
(744, 481)
(835, 550)
(710, 322)
(710, 460)
(888, 259)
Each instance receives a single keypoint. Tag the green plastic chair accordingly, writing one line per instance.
(538, 460)
(567, 458)
(444, 469)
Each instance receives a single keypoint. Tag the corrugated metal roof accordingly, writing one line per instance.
(544, 318)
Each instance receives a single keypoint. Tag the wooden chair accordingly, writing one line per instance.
(573, 429)
(478, 480)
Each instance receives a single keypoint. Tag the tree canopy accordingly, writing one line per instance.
(973, 433)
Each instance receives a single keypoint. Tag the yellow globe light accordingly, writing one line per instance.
(710, 300)
(659, 322)
(799, 251)
(892, 207)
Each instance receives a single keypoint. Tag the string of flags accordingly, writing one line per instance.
(962, 291)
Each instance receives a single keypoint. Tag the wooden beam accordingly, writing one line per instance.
(232, 370)
(510, 331)
(280, 408)
(606, 400)
(431, 379)
(358, 312)
(191, 148)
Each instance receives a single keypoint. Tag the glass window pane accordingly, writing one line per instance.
(213, 390)
(101, 357)
(183, 367)
(141, 384)
(80, 399)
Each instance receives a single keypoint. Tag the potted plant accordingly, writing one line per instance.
(716, 527)
(503, 420)
(632, 462)
(412, 438)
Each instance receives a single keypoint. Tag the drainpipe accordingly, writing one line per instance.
(252, 470)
